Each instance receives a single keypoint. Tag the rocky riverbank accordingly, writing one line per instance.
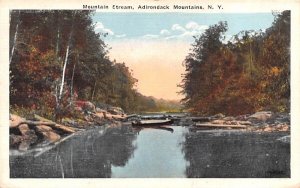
(35, 131)
(38, 132)
(266, 121)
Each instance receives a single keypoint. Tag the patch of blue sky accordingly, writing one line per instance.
(180, 26)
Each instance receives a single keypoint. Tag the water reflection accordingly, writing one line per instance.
(88, 155)
(158, 155)
(234, 154)
(166, 152)
(140, 128)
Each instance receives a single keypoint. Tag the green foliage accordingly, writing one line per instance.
(248, 74)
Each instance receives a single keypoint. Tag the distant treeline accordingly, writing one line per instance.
(249, 73)
(56, 57)
(151, 104)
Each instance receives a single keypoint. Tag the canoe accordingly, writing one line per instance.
(152, 122)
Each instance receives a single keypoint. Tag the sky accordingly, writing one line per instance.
(154, 45)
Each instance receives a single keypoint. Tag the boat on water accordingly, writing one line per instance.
(153, 122)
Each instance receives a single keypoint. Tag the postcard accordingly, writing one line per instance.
(150, 93)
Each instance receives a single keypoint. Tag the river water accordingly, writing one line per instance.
(174, 151)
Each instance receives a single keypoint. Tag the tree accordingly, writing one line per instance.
(248, 74)
(198, 81)
(57, 57)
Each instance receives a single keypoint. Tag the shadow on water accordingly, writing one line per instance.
(140, 128)
(87, 155)
(175, 151)
(234, 154)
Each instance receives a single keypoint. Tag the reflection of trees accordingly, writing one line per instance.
(89, 155)
(236, 155)
(117, 145)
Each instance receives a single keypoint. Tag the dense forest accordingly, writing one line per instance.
(56, 57)
(243, 75)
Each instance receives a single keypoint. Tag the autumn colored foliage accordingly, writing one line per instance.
(56, 58)
(249, 73)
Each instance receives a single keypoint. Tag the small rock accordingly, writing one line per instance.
(268, 129)
(242, 117)
(48, 133)
(100, 110)
(28, 137)
(85, 106)
(231, 123)
(116, 110)
(44, 128)
(217, 121)
(229, 118)
(244, 122)
(15, 120)
(219, 116)
(262, 116)
(282, 127)
(24, 129)
(99, 115)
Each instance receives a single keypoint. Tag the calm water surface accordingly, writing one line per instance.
(174, 151)
(158, 154)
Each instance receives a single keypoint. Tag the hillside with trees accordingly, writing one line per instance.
(247, 74)
(56, 57)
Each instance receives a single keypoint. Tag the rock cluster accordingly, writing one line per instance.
(25, 133)
(260, 121)
(39, 131)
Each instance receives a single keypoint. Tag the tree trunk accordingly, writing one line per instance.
(57, 42)
(250, 58)
(66, 61)
(57, 45)
(93, 93)
(15, 40)
(63, 73)
(72, 82)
